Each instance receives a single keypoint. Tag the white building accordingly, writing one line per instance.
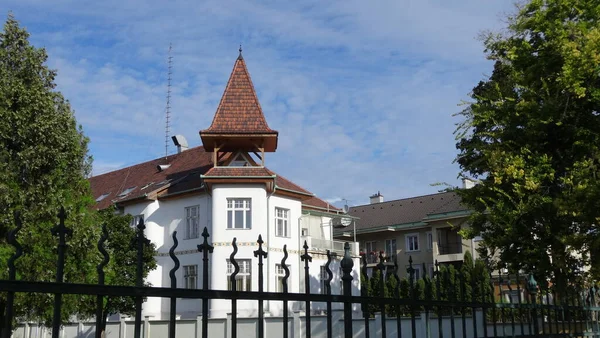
(225, 187)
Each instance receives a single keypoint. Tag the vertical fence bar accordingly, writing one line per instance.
(100, 269)
(582, 313)
(173, 277)
(233, 287)
(12, 273)
(492, 299)
(347, 265)
(518, 282)
(381, 268)
(411, 281)
(473, 306)
(139, 280)
(397, 296)
(428, 295)
(284, 284)
(328, 292)
(549, 310)
(206, 249)
(260, 253)
(463, 299)
(438, 278)
(484, 307)
(533, 291)
(306, 258)
(453, 298)
(61, 231)
(511, 308)
(502, 310)
(364, 290)
(556, 316)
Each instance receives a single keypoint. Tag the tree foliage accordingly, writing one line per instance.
(121, 246)
(530, 135)
(43, 166)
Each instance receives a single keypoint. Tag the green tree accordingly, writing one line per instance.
(43, 166)
(530, 136)
(121, 246)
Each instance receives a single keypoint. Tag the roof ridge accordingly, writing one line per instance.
(404, 199)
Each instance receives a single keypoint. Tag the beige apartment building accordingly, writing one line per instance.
(425, 228)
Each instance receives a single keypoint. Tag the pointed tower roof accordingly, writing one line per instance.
(239, 122)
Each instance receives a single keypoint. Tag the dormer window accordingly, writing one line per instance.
(239, 161)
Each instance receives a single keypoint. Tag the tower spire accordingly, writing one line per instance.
(168, 108)
(240, 57)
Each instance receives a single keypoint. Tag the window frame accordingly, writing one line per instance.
(373, 246)
(245, 274)
(391, 252)
(188, 233)
(187, 276)
(429, 235)
(407, 242)
(279, 275)
(136, 220)
(245, 209)
(287, 229)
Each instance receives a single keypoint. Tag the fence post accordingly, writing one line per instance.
(347, 265)
(297, 332)
(532, 289)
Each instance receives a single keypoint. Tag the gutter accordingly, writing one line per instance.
(233, 177)
(294, 191)
(327, 214)
(414, 225)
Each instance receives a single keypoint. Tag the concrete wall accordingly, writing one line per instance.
(248, 327)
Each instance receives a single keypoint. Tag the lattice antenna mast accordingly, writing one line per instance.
(168, 108)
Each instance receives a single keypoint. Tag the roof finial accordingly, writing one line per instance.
(240, 56)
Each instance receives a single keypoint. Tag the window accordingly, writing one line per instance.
(239, 161)
(390, 247)
(126, 191)
(136, 220)
(323, 276)
(429, 240)
(190, 276)
(417, 274)
(304, 232)
(101, 197)
(280, 274)
(239, 214)
(282, 223)
(369, 247)
(243, 280)
(412, 242)
(192, 222)
(431, 269)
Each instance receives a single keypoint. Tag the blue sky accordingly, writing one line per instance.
(362, 93)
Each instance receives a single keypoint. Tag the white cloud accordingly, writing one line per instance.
(362, 93)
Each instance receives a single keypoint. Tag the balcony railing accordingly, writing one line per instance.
(450, 248)
(325, 244)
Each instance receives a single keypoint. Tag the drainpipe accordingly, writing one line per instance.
(300, 249)
(268, 308)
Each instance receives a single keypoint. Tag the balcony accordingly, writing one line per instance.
(450, 246)
(325, 244)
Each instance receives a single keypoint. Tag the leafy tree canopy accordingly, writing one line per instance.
(530, 134)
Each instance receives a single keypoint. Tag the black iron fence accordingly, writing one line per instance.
(452, 303)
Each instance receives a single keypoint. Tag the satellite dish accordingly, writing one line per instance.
(346, 221)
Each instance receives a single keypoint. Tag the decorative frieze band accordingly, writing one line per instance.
(313, 253)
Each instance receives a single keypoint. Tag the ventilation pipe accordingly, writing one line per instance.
(180, 142)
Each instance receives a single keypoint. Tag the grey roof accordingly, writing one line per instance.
(407, 210)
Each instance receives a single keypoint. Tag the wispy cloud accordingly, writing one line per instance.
(362, 93)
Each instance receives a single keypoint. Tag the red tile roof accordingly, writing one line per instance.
(239, 111)
(183, 175)
(239, 172)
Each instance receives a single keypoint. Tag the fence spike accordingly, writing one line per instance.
(175, 260)
(106, 258)
(12, 240)
(285, 268)
(347, 265)
(236, 266)
(329, 273)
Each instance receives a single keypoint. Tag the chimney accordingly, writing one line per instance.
(377, 198)
(468, 183)
(180, 142)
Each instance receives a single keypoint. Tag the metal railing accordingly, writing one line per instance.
(333, 245)
(447, 304)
